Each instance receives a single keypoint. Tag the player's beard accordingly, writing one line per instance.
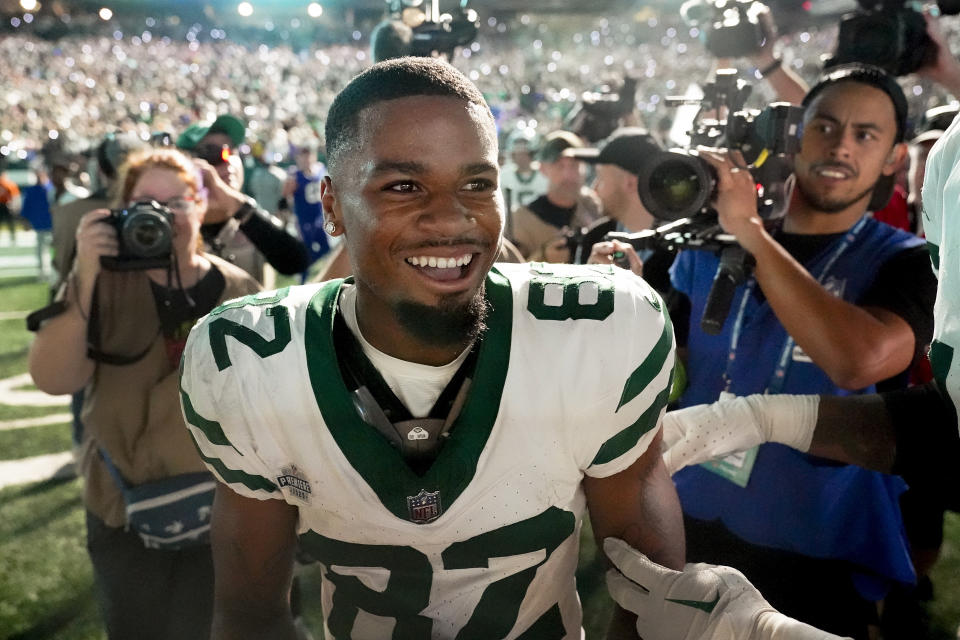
(447, 324)
(830, 205)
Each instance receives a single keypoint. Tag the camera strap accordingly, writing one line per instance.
(417, 438)
(93, 337)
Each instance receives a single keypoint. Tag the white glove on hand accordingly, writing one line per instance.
(702, 602)
(705, 432)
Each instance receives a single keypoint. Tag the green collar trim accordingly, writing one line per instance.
(379, 464)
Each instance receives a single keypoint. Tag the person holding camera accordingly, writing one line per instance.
(235, 227)
(837, 302)
(540, 228)
(118, 335)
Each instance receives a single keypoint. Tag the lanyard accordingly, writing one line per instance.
(775, 385)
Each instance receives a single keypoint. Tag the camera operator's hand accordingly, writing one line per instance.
(736, 199)
(556, 250)
(223, 201)
(945, 69)
(765, 55)
(95, 238)
(617, 253)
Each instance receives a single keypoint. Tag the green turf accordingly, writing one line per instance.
(34, 441)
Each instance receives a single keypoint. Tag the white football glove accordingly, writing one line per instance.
(702, 602)
(705, 432)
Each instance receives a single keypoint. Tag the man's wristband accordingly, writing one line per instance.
(773, 66)
(246, 211)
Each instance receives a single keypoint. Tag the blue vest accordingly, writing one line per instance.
(794, 501)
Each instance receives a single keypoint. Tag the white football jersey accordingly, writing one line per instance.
(572, 378)
(941, 222)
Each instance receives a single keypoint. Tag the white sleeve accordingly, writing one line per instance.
(213, 409)
(641, 337)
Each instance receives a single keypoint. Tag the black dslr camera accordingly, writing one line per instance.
(889, 34)
(430, 30)
(599, 112)
(728, 28)
(145, 234)
(678, 184)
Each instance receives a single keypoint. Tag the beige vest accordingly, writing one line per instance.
(133, 411)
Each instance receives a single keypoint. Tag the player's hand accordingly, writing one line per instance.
(701, 602)
(736, 199)
(223, 201)
(617, 253)
(95, 238)
(709, 431)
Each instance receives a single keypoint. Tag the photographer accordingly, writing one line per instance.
(539, 227)
(837, 303)
(119, 336)
(235, 228)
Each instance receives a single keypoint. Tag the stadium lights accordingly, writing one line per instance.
(245, 9)
(314, 10)
(28, 5)
(105, 14)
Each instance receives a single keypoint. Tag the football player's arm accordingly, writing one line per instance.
(856, 346)
(254, 542)
(639, 505)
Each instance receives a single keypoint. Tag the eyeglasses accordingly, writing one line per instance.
(176, 205)
(215, 154)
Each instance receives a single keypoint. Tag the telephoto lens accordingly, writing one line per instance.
(676, 184)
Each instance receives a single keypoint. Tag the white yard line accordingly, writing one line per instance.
(41, 421)
(10, 394)
(36, 469)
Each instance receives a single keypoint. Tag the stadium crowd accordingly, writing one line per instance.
(70, 100)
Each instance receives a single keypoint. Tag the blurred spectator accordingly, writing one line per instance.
(520, 178)
(36, 210)
(303, 186)
(9, 203)
(540, 228)
(235, 228)
(267, 181)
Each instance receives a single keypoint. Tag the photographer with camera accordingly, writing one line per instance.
(236, 228)
(539, 229)
(837, 302)
(138, 283)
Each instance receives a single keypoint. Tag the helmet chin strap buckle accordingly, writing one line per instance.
(420, 437)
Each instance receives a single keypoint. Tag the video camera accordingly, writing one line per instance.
(599, 112)
(433, 31)
(678, 184)
(145, 236)
(728, 28)
(890, 34)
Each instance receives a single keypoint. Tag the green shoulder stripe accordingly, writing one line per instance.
(626, 439)
(651, 365)
(210, 428)
(235, 476)
(934, 255)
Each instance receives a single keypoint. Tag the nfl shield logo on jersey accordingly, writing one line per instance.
(424, 507)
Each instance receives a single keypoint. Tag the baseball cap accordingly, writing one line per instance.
(227, 124)
(114, 149)
(935, 122)
(559, 144)
(629, 148)
(865, 74)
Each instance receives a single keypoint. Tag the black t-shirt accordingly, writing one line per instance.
(904, 285)
(656, 261)
(179, 310)
(550, 213)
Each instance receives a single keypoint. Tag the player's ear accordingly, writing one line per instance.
(332, 222)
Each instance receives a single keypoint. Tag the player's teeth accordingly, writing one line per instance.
(459, 261)
(442, 263)
(414, 261)
(467, 259)
(432, 262)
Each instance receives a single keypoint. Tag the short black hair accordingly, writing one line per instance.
(390, 80)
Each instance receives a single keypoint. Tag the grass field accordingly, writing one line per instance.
(46, 590)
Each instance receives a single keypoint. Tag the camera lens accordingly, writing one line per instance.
(676, 185)
(146, 232)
